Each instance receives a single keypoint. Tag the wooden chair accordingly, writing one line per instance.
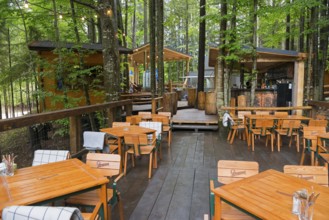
(158, 127)
(229, 171)
(279, 121)
(138, 145)
(166, 127)
(238, 126)
(318, 123)
(49, 156)
(168, 114)
(113, 141)
(109, 166)
(134, 119)
(310, 142)
(316, 174)
(289, 128)
(263, 127)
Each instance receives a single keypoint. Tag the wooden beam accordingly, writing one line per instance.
(18, 122)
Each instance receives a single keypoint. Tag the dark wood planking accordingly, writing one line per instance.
(179, 188)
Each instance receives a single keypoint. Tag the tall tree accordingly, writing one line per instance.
(202, 45)
(159, 29)
(152, 19)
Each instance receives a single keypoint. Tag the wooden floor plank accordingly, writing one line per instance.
(180, 204)
(179, 188)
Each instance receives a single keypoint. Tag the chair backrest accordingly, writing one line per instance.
(241, 114)
(264, 125)
(232, 170)
(94, 140)
(291, 124)
(311, 132)
(106, 164)
(40, 213)
(165, 114)
(318, 123)
(316, 174)
(163, 120)
(320, 117)
(281, 113)
(262, 112)
(120, 124)
(136, 140)
(49, 156)
(134, 119)
(153, 125)
(144, 113)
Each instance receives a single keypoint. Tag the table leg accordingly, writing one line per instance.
(103, 199)
(218, 207)
(120, 152)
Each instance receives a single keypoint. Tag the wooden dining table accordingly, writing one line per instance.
(119, 133)
(268, 195)
(42, 184)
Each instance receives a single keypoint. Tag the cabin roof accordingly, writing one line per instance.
(170, 54)
(50, 45)
(266, 57)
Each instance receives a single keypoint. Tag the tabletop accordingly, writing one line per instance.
(44, 183)
(133, 129)
(268, 195)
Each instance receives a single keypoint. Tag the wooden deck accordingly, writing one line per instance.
(179, 188)
(194, 119)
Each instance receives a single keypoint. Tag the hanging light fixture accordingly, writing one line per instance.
(60, 12)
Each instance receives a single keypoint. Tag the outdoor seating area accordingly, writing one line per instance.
(178, 170)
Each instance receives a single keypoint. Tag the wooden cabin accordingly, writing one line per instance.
(52, 84)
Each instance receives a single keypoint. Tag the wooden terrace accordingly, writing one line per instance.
(179, 187)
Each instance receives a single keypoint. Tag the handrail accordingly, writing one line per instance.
(155, 101)
(267, 108)
(18, 122)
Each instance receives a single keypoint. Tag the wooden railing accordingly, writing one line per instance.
(157, 105)
(74, 114)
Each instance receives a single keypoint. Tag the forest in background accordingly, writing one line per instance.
(300, 25)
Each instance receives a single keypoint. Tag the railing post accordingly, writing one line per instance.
(154, 106)
(129, 109)
(75, 134)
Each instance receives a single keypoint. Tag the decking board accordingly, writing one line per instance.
(179, 188)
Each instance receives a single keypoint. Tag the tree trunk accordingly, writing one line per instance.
(301, 30)
(74, 20)
(254, 55)
(288, 34)
(202, 45)
(152, 12)
(111, 57)
(146, 20)
(160, 33)
(324, 35)
(133, 35)
(315, 64)
(186, 29)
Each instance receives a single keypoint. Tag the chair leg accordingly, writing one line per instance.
(303, 157)
(272, 142)
(133, 160)
(169, 138)
(109, 212)
(278, 142)
(297, 142)
(233, 136)
(150, 166)
(252, 142)
(120, 207)
(229, 135)
(126, 159)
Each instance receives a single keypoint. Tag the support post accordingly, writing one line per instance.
(75, 134)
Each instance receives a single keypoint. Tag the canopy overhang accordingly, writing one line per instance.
(266, 58)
